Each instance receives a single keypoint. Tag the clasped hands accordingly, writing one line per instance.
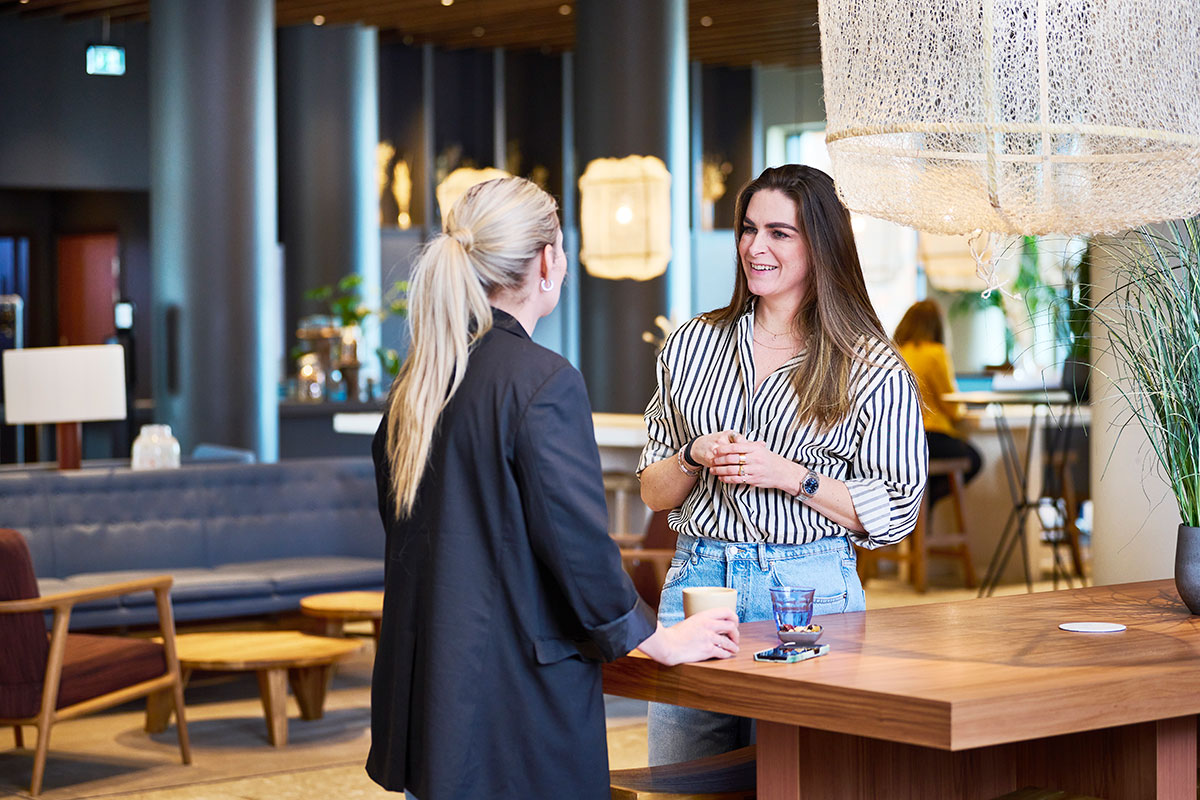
(734, 459)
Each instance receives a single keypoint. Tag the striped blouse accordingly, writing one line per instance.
(706, 384)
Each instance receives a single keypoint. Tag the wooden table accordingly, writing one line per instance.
(966, 700)
(278, 657)
(334, 609)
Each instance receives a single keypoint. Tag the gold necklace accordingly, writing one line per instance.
(768, 330)
(774, 347)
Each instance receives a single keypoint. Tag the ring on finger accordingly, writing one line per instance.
(742, 459)
(742, 469)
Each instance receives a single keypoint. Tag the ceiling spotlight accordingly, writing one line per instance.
(706, 22)
(565, 9)
(319, 19)
(478, 31)
(447, 2)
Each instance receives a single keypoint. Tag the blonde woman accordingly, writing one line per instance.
(504, 591)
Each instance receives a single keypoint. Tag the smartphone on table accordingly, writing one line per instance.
(789, 653)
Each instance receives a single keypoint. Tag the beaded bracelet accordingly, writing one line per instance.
(691, 473)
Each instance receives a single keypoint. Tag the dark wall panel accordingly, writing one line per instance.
(59, 126)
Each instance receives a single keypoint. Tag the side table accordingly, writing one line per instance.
(334, 609)
(278, 658)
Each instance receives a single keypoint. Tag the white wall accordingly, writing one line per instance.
(1136, 516)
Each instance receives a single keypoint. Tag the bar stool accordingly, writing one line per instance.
(923, 542)
(728, 776)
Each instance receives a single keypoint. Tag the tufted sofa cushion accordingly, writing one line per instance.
(238, 538)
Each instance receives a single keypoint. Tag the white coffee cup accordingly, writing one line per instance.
(702, 598)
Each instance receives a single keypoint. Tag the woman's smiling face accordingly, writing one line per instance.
(773, 252)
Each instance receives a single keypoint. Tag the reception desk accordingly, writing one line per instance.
(967, 700)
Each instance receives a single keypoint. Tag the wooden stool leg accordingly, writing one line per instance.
(956, 492)
(272, 688)
(916, 551)
(309, 685)
(18, 736)
(861, 566)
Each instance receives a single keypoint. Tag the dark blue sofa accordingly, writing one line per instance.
(239, 539)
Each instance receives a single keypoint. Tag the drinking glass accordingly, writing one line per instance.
(793, 606)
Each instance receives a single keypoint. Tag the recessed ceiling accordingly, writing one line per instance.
(728, 32)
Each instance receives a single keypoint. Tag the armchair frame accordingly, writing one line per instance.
(62, 604)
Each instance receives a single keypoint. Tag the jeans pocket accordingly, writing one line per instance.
(678, 571)
(820, 571)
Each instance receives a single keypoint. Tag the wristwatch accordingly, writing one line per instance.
(809, 485)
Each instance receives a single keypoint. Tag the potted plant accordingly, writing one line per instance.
(1152, 321)
(346, 307)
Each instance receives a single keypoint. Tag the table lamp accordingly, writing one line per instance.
(67, 386)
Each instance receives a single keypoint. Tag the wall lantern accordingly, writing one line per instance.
(625, 218)
(461, 179)
(1014, 116)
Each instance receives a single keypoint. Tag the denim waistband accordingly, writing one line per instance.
(762, 552)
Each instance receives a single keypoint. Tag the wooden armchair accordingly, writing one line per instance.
(44, 680)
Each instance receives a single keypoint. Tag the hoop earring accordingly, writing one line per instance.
(547, 284)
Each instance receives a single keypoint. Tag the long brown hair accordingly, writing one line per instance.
(836, 312)
(921, 323)
(490, 239)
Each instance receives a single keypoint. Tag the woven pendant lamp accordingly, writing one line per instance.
(1014, 116)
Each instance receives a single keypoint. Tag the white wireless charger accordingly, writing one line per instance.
(1092, 627)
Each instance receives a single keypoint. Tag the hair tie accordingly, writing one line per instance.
(464, 238)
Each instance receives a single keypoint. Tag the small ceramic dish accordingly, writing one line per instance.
(801, 636)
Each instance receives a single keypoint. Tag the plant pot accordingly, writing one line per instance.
(1187, 567)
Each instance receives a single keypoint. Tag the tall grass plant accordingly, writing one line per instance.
(1152, 322)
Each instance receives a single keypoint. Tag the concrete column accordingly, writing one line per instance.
(216, 299)
(630, 99)
(328, 131)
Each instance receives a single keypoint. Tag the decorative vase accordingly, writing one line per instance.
(1187, 567)
(155, 448)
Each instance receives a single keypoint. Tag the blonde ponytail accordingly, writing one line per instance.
(491, 236)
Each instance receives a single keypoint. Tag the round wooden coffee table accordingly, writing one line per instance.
(278, 657)
(336, 608)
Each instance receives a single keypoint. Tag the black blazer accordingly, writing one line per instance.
(504, 592)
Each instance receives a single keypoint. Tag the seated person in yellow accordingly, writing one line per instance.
(920, 338)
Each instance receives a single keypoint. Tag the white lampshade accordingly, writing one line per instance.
(625, 217)
(64, 384)
(1016, 117)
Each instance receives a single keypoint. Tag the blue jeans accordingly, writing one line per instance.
(677, 733)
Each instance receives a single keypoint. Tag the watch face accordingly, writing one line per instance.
(810, 485)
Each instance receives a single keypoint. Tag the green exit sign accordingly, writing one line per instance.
(105, 59)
